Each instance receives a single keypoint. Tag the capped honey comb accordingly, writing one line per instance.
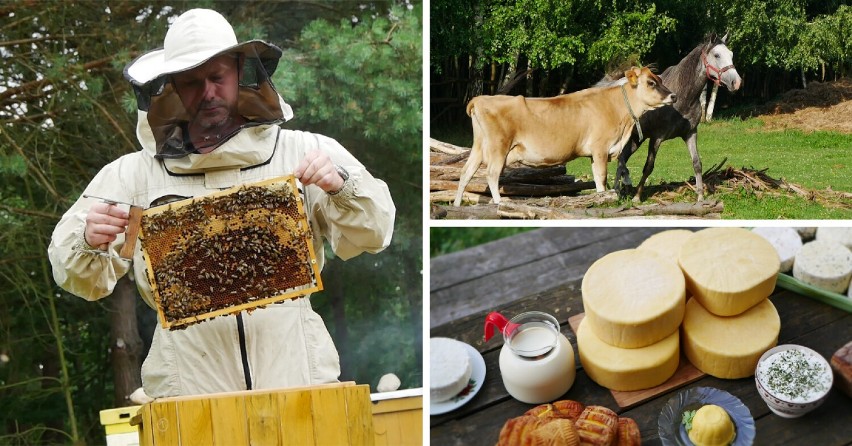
(234, 250)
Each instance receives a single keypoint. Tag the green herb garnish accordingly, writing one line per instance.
(687, 419)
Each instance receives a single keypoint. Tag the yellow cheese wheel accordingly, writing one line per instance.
(729, 270)
(667, 243)
(627, 368)
(633, 298)
(729, 347)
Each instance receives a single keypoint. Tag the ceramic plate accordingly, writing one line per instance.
(672, 432)
(477, 377)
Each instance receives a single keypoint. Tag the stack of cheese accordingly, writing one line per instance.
(634, 304)
(729, 321)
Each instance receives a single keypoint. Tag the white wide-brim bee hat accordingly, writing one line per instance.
(195, 37)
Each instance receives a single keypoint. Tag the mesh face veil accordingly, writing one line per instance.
(196, 37)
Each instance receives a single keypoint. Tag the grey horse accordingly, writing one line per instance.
(711, 60)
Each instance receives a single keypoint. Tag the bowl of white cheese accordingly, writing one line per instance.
(793, 380)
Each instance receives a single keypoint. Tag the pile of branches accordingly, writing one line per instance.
(721, 178)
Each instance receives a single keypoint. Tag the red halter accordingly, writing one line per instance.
(707, 68)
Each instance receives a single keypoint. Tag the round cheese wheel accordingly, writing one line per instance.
(838, 235)
(729, 270)
(449, 368)
(729, 347)
(633, 298)
(786, 241)
(627, 369)
(824, 264)
(667, 243)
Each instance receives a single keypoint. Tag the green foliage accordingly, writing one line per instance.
(633, 32)
(366, 78)
(447, 240)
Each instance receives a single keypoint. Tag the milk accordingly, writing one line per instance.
(537, 364)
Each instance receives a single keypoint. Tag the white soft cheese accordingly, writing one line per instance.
(824, 264)
(838, 235)
(449, 368)
(786, 241)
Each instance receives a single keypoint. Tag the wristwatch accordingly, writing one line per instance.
(343, 174)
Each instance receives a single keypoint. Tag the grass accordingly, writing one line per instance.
(447, 240)
(816, 161)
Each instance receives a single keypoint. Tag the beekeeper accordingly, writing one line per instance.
(208, 120)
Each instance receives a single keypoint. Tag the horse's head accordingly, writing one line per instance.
(719, 63)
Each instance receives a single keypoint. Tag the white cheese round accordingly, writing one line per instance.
(667, 243)
(729, 270)
(824, 264)
(838, 235)
(729, 347)
(627, 369)
(633, 298)
(449, 368)
(786, 241)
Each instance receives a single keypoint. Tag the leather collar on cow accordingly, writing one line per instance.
(632, 115)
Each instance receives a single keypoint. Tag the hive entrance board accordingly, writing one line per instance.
(230, 251)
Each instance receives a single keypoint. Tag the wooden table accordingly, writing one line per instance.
(542, 270)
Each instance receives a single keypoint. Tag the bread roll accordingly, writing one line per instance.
(597, 426)
(841, 363)
(559, 409)
(628, 433)
(518, 431)
(557, 432)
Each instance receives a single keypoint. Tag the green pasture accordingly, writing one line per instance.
(815, 161)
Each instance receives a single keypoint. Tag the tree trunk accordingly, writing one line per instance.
(125, 341)
(712, 102)
(804, 81)
(703, 101)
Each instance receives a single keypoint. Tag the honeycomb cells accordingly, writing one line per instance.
(235, 250)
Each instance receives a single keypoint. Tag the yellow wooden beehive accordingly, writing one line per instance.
(116, 423)
(230, 251)
(398, 418)
(329, 414)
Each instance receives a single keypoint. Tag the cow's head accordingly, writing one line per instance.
(649, 88)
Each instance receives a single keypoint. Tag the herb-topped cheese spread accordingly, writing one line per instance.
(795, 375)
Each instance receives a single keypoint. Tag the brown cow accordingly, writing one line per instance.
(537, 132)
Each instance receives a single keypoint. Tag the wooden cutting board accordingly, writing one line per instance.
(685, 374)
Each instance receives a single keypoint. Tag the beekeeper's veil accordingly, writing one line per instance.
(194, 38)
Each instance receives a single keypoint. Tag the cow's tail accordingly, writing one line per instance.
(470, 107)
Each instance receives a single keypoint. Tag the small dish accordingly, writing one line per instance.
(477, 377)
(782, 404)
(672, 432)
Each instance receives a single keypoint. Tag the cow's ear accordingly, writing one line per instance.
(632, 76)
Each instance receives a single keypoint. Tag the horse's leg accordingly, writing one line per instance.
(622, 173)
(653, 146)
(692, 144)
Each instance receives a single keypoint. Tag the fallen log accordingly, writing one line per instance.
(518, 210)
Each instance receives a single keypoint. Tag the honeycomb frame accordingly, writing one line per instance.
(230, 251)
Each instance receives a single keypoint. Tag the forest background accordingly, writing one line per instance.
(549, 47)
(351, 70)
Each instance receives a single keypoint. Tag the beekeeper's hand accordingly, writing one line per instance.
(103, 224)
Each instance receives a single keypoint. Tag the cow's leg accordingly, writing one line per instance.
(622, 173)
(653, 146)
(599, 160)
(470, 167)
(692, 144)
(495, 163)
